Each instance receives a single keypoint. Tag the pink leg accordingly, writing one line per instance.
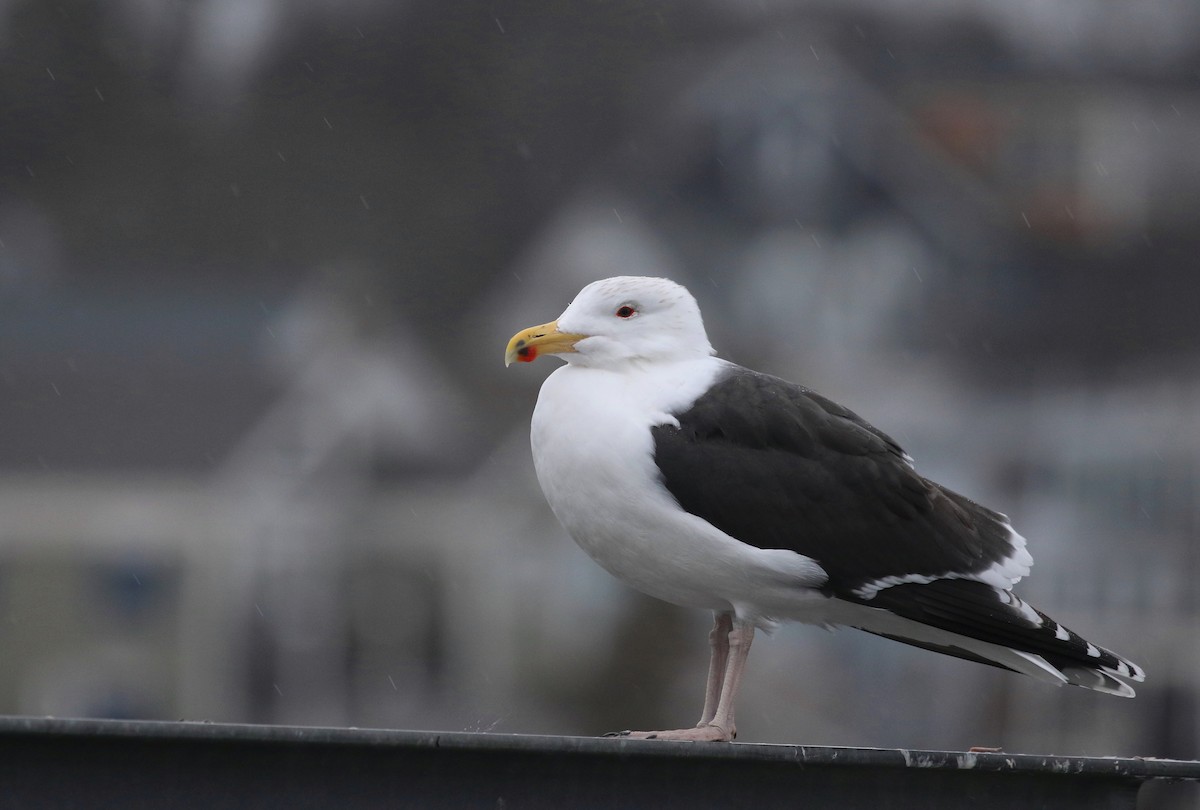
(740, 639)
(730, 641)
(718, 640)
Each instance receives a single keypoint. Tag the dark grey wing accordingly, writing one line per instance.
(968, 608)
(778, 466)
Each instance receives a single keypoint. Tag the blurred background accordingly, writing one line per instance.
(260, 459)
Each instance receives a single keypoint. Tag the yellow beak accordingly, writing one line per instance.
(527, 344)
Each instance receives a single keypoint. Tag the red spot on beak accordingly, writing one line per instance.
(527, 354)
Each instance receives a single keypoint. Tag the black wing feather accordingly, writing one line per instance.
(778, 466)
(976, 610)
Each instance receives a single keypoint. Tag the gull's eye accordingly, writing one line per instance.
(626, 311)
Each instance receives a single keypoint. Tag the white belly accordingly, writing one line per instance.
(593, 452)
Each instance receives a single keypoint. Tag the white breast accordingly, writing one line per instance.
(593, 452)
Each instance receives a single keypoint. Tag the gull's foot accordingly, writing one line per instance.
(704, 733)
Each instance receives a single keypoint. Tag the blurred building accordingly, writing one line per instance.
(257, 266)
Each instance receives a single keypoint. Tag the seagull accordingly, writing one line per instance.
(712, 486)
